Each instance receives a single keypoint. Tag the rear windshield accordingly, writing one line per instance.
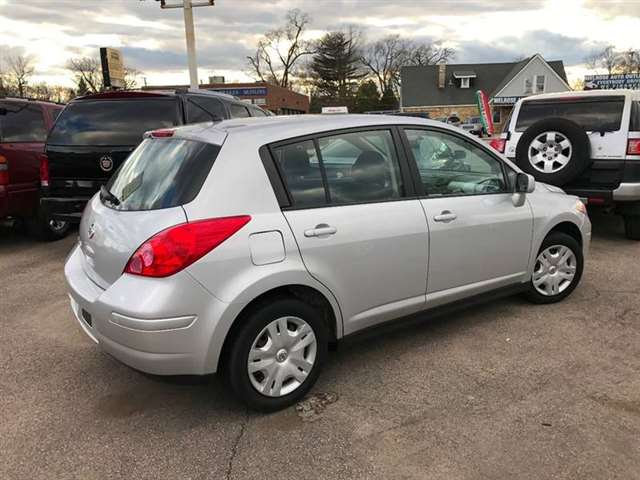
(21, 122)
(112, 122)
(162, 173)
(600, 114)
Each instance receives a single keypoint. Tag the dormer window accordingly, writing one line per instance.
(465, 78)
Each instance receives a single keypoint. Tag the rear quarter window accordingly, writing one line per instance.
(635, 117)
(162, 173)
(592, 114)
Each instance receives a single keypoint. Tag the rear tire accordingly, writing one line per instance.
(632, 227)
(44, 228)
(249, 338)
(549, 282)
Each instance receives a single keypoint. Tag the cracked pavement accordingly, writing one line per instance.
(504, 390)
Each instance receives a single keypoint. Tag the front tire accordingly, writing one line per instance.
(632, 227)
(558, 269)
(276, 356)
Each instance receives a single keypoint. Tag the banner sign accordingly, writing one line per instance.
(505, 100)
(614, 81)
(242, 92)
(112, 67)
(485, 112)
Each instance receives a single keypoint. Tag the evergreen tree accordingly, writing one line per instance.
(82, 87)
(367, 97)
(336, 67)
(389, 100)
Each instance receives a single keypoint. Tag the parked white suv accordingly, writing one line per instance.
(250, 245)
(588, 143)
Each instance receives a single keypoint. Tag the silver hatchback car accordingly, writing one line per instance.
(249, 246)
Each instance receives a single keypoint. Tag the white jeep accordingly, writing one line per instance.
(586, 142)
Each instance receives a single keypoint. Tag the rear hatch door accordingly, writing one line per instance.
(150, 188)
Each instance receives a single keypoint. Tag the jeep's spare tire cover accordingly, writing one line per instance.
(554, 150)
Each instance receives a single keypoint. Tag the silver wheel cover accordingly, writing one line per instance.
(554, 271)
(550, 152)
(282, 356)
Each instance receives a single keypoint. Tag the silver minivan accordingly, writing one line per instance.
(249, 246)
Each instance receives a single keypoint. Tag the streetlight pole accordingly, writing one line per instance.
(189, 32)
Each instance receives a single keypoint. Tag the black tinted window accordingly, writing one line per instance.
(115, 122)
(635, 117)
(238, 111)
(301, 171)
(202, 109)
(162, 173)
(592, 114)
(21, 122)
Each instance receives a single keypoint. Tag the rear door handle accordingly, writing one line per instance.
(321, 230)
(445, 216)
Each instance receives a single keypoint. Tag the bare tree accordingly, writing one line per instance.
(630, 61)
(20, 70)
(131, 78)
(609, 59)
(280, 49)
(89, 71)
(384, 59)
(422, 54)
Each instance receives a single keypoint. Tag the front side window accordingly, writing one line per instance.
(595, 114)
(361, 167)
(450, 165)
(21, 122)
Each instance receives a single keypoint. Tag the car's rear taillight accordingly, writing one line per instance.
(177, 247)
(163, 133)
(4, 170)
(633, 147)
(498, 144)
(44, 170)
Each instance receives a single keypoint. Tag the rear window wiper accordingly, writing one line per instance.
(107, 195)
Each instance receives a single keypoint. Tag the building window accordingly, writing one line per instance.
(464, 82)
(497, 117)
(528, 86)
(540, 83)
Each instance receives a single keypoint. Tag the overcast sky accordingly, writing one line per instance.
(152, 40)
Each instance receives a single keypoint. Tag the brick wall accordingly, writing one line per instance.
(463, 111)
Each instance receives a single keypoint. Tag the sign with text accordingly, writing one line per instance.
(612, 82)
(505, 100)
(112, 67)
(242, 92)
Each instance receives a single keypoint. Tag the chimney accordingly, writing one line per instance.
(442, 73)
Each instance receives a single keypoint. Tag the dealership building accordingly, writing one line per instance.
(443, 90)
(279, 100)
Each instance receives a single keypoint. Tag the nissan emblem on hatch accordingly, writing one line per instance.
(106, 163)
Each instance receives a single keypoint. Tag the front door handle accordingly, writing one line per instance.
(320, 230)
(446, 216)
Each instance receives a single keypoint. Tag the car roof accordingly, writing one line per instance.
(31, 100)
(262, 130)
(580, 94)
(125, 94)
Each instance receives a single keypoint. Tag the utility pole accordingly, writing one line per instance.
(187, 6)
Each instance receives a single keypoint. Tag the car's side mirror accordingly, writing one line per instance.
(525, 183)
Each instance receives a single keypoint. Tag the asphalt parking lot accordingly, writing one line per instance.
(502, 391)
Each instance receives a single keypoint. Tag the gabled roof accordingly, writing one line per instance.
(420, 84)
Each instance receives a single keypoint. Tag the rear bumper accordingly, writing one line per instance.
(627, 192)
(161, 326)
(4, 202)
(68, 209)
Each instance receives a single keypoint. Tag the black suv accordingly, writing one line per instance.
(94, 134)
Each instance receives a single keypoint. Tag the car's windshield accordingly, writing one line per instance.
(112, 122)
